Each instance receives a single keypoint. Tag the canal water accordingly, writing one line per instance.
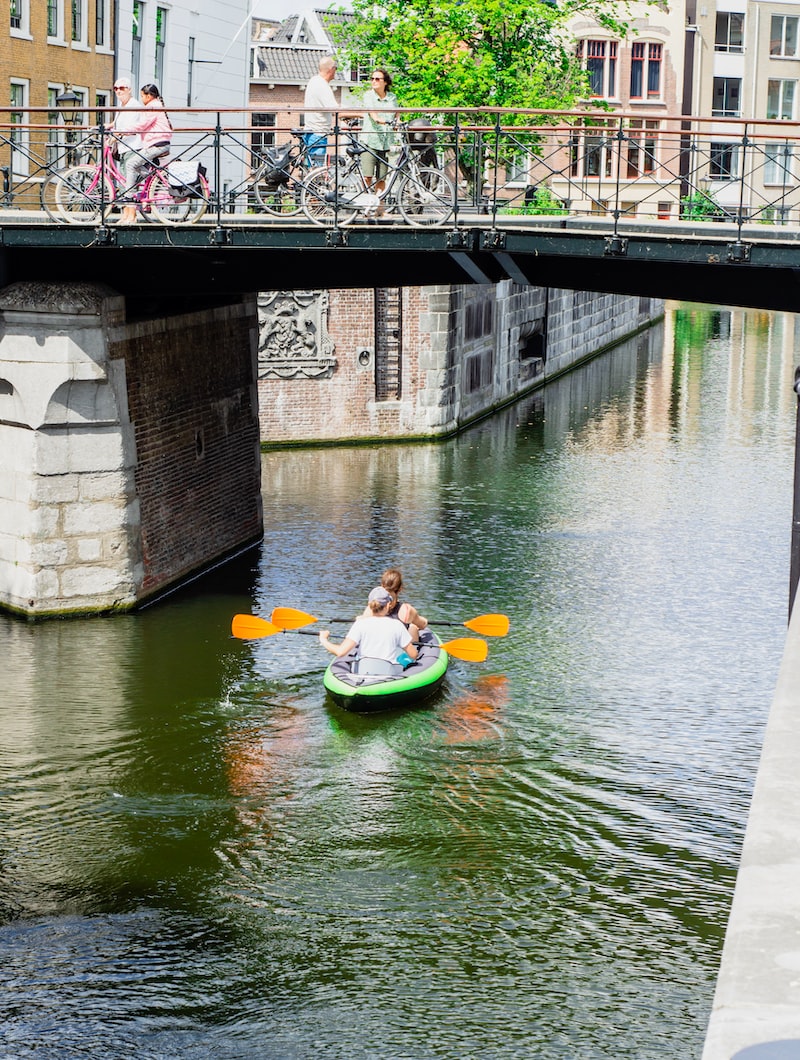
(201, 856)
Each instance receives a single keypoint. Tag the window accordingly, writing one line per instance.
(729, 36)
(780, 99)
(646, 70)
(478, 318)
(54, 27)
(517, 166)
(590, 155)
(600, 60)
(136, 41)
(778, 163)
(726, 97)
(783, 36)
(52, 147)
(16, 14)
(263, 132)
(19, 137)
(102, 22)
(161, 37)
(724, 161)
(101, 101)
(79, 20)
(642, 148)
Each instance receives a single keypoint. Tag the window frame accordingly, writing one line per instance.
(56, 8)
(23, 18)
(18, 115)
(779, 171)
(722, 40)
(780, 105)
(777, 45)
(647, 59)
(725, 111)
(719, 152)
(599, 57)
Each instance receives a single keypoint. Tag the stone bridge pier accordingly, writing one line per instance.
(129, 448)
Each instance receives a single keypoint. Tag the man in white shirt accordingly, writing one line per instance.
(319, 121)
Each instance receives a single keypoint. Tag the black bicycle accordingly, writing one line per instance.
(423, 194)
(277, 179)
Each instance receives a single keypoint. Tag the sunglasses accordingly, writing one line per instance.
(377, 79)
(120, 88)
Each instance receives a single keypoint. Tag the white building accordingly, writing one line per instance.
(198, 53)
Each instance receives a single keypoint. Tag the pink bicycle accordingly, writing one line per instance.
(80, 194)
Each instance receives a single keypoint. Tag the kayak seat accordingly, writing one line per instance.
(377, 667)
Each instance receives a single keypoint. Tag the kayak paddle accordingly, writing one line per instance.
(249, 627)
(486, 625)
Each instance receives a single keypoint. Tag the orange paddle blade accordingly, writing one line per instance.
(289, 618)
(248, 627)
(470, 649)
(488, 625)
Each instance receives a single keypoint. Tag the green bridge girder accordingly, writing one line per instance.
(755, 266)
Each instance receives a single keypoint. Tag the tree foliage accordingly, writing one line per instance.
(475, 53)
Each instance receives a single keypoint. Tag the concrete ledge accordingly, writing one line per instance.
(756, 1009)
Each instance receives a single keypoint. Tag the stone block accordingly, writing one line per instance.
(111, 583)
(50, 553)
(89, 549)
(78, 449)
(90, 519)
(55, 489)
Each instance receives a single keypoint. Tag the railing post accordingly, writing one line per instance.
(742, 169)
(497, 133)
(456, 181)
(794, 568)
(218, 169)
(102, 131)
(336, 134)
(619, 138)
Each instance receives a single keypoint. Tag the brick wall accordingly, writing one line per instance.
(466, 350)
(194, 409)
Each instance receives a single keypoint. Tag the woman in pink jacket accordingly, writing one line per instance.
(155, 131)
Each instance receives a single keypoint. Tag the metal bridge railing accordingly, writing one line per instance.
(506, 166)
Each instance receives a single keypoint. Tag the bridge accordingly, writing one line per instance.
(706, 209)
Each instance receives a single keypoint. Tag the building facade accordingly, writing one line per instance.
(746, 65)
(197, 52)
(56, 63)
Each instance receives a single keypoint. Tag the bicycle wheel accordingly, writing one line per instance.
(76, 195)
(426, 197)
(171, 206)
(282, 200)
(320, 198)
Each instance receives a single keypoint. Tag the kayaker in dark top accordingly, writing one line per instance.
(392, 580)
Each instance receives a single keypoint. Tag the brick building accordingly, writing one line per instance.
(45, 50)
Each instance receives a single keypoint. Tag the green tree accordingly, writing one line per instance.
(476, 53)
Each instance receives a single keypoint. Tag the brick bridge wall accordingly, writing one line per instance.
(130, 449)
(465, 350)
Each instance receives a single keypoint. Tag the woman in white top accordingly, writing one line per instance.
(378, 637)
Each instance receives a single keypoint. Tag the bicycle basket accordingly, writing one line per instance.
(277, 159)
(184, 177)
(420, 134)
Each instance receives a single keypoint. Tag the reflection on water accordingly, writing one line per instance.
(201, 855)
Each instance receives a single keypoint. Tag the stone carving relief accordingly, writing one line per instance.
(293, 339)
(76, 298)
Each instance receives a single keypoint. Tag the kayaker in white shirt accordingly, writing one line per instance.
(377, 637)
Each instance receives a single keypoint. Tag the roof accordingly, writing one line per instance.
(287, 64)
